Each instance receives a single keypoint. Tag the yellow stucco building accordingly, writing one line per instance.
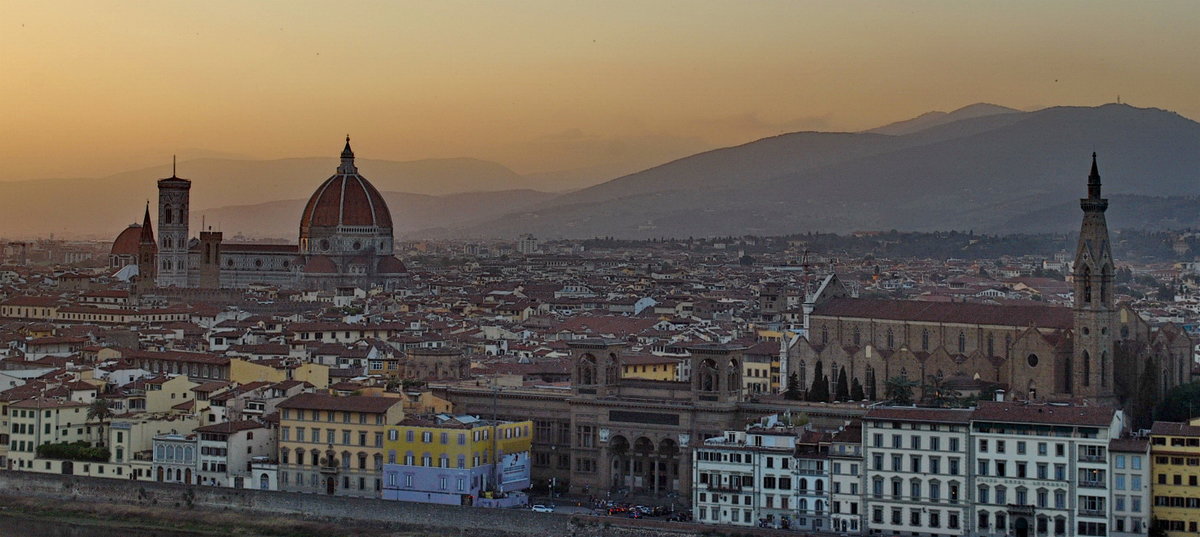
(650, 367)
(1175, 469)
(334, 445)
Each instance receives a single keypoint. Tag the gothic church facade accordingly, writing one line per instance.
(1097, 350)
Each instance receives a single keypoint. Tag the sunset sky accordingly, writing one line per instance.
(92, 88)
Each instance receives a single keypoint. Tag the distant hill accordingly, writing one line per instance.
(976, 173)
(1126, 211)
(102, 207)
(410, 212)
(936, 118)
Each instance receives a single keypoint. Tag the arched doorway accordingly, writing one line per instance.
(618, 448)
(1021, 526)
(330, 485)
(643, 450)
(160, 474)
(667, 466)
(187, 476)
(264, 482)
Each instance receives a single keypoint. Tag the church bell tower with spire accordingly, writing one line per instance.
(1090, 372)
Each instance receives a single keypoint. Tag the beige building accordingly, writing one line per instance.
(334, 445)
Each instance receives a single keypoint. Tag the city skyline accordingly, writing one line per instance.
(95, 89)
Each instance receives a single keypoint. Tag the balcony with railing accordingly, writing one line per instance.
(724, 488)
(1091, 484)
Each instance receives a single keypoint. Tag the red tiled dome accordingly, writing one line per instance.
(391, 265)
(345, 200)
(127, 242)
(320, 265)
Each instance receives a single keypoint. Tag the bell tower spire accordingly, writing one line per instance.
(1090, 373)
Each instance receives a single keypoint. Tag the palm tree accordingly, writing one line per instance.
(938, 393)
(99, 410)
(899, 390)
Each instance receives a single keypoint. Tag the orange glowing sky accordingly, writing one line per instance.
(90, 88)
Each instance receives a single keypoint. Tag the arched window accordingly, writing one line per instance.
(1087, 369)
(1104, 369)
(1087, 284)
(962, 342)
(924, 339)
(857, 336)
(1105, 278)
(991, 345)
(167, 215)
(891, 339)
(802, 375)
(824, 335)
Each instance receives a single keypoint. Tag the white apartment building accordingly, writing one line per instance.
(1130, 469)
(227, 450)
(735, 483)
(1042, 469)
(770, 476)
(812, 482)
(917, 471)
(846, 474)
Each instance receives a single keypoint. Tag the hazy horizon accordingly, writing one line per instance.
(93, 89)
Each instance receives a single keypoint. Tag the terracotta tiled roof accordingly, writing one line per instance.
(1171, 428)
(354, 403)
(947, 312)
(943, 415)
(127, 242)
(1043, 413)
(345, 200)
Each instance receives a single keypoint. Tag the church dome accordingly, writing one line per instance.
(346, 200)
(127, 242)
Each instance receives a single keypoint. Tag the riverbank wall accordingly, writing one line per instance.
(445, 520)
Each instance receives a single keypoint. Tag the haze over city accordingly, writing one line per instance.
(95, 88)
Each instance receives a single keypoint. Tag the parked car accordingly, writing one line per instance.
(539, 508)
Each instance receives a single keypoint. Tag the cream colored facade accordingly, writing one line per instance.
(334, 445)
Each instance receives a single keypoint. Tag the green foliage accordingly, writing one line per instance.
(794, 391)
(856, 391)
(819, 392)
(899, 390)
(938, 394)
(73, 451)
(1180, 404)
(843, 386)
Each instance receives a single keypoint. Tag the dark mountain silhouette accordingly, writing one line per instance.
(976, 173)
(102, 207)
(1126, 211)
(281, 219)
(937, 117)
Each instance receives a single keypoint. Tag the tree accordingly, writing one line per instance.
(1145, 397)
(899, 390)
(99, 411)
(856, 391)
(843, 387)
(937, 393)
(1180, 404)
(794, 391)
(819, 392)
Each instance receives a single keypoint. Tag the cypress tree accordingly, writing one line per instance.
(856, 391)
(843, 387)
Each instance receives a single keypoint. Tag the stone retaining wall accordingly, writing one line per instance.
(448, 520)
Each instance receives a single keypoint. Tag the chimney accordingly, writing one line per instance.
(999, 396)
